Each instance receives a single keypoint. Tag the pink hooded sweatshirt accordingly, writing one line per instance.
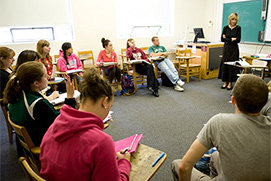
(76, 148)
(74, 62)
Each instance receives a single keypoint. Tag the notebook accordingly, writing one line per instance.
(130, 142)
(106, 64)
(74, 71)
(62, 97)
(139, 61)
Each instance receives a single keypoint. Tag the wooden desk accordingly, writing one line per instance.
(142, 161)
(210, 58)
(53, 83)
(73, 76)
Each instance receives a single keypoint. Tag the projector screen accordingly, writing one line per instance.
(267, 36)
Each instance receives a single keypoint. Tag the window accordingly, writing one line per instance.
(31, 20)
(144, 18)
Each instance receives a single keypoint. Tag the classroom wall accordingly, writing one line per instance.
(94, 19)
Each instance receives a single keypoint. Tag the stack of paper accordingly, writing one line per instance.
(73, 71)
(62, 97)
(106, 64)
(139, 61)
(157, 58)
(131, 143)
(108, 117)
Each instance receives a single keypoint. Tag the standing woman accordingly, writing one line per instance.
(134, 53)
(6, 60)
(108, 55)
(75, 147)
(231, 35)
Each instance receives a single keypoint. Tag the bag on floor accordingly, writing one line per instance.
(127, 85)
(165, 81)
(203, 164)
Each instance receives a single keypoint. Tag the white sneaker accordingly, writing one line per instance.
(180, 83)
(178, 88)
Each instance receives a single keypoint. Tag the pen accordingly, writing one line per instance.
(154, 163)
(126, 149)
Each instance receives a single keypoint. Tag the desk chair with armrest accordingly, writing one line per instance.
(188, 68)
(28, 170)
(84, 56)
(258, 64)
(31, 152)
(5, 113)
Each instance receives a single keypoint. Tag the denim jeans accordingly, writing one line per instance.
(168, 68)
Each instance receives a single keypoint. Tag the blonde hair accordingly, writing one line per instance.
(233, 16)
(40, 45)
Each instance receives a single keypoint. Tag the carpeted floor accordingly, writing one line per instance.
(169, 123)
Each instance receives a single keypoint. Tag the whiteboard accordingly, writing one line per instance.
(267, 36)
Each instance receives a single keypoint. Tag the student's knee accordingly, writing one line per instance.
(175, 168)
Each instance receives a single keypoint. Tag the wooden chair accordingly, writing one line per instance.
(56, 57)
(31, 152)
(29, 172)
(5, 113)
(85, 56)
(124, 61)
(188, 69)
(145, 50)
(138, 78)
(258, 64)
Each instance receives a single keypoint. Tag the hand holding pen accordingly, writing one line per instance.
(124, 155)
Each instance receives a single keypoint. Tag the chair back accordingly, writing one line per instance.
(31, 152)
(29, 172)
(85, 56)
(56, 57)
(145, 50)
(5, 113)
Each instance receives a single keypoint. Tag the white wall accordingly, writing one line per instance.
(94, 19)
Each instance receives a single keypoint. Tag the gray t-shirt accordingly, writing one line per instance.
(244, 145)
(266, 110)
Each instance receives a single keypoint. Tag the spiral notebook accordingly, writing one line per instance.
(131, 143)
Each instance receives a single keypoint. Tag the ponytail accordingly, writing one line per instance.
(66, 46)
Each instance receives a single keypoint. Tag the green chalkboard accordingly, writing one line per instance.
(249, 13)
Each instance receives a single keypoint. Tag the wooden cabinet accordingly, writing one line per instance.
(210, 57)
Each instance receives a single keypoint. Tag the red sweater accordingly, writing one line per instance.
(136, 54)
(49, 68)
(76, 148)
(102, 57)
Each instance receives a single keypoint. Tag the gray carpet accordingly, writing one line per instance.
(169, 123)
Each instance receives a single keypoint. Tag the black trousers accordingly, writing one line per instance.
(113, 72)
(147, 69)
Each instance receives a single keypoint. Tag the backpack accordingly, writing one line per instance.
(128, 87)
(203, 164)
(165, 81)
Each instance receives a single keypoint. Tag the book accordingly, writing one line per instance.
(106, 64)
(157, 58)
(241, 63)
(139, 61)
(62, 97)
(74, 71)
(131, 143)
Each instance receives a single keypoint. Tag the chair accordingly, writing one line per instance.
(188, 69)
(5, 113)
(29, 172)
(84, 56)
(259, 65)
(30, 151)
(124, 61)
(56, 57)
(145, 50)
(138, 78)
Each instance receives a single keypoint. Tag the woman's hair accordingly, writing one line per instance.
(105, 42)
(93, 86)
(40, 45)
(25, 56)
(5, 53)
(233, 16)
(27, 73)
(66, 46)
(130, 39)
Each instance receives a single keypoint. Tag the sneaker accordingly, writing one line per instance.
(180, 83)
(178, 88)
(156, 94)
(151, 89)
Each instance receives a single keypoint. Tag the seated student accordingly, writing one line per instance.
(6, 60)
(69, 61)
(166, 66)
(22, 92)
(134, 53)
(108, 55)
(266, 110)
(75, 146)
(242, 139)
(43, 48)
(27, 56)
